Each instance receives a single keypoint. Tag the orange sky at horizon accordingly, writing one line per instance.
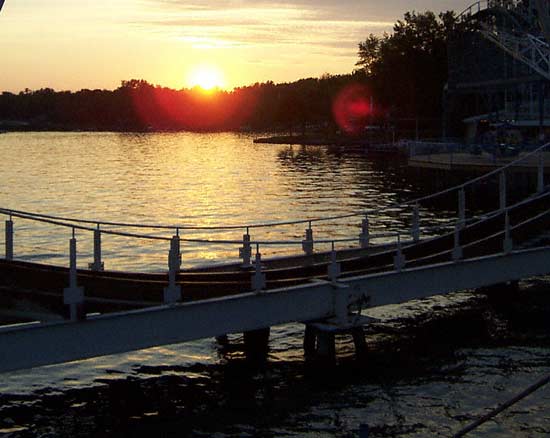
(68, 45)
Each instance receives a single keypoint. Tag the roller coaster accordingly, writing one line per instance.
(499, 63)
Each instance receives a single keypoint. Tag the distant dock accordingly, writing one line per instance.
(479, 163)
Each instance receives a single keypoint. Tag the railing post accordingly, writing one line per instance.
(97, 264)
(172, 293)
(258, 279)
(457, 249)
(73, 296)
(246, 251)
(399, 258)
(540, 173)
(307, 243)
(502, 190)
(9, 239)
(508, 243)
(334, 267)
(461, 207)
(415, 229)
(364, 236)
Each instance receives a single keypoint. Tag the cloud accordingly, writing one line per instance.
(244, 23)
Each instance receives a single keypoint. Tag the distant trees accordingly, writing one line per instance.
(407, 69)
(138, 105)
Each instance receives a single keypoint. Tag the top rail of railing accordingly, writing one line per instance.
(80, 223)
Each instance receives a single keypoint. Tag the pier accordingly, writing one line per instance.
(108, 312)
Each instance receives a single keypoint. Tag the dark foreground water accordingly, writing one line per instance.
(432, 365)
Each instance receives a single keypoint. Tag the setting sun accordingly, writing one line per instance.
(206, 77)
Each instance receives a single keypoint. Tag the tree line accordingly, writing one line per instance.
(402, 75)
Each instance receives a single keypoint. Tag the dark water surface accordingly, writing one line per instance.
(432, 365)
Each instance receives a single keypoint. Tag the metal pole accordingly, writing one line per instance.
(507, 244)
(246, 251)
(97, 265)
(457, 249)
(364, 236)
(334, 267)
(540, 173)
(258, 279)
(415, 229)
(73, 296)
(9, 239)
(307, 243)
(502, 190)
(461, 207)
(172, 293)
(399, 258)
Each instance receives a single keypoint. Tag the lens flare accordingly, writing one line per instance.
(351, 108)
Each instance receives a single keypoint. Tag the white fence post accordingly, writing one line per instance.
(307, 243)
(334, 267)
(246, 251)
(457, 249)
(364, 236)
(540, 173)
(172, 293)
(73, 296)
(461, 207)
(508, 243)
(9, 239)
(258, 279)
(415, 229)
(502, 190)
(97, 264)
(399, 258)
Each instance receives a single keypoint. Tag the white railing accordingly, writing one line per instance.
(73, 295)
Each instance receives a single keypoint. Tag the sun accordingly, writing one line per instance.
(206, 77)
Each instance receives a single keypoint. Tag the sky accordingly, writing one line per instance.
(74, 44)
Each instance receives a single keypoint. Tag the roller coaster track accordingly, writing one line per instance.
(528, 48)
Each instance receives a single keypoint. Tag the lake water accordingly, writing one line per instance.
(189, 179)
(198, 389)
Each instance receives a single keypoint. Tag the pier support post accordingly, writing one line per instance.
(415, 229)
(358, 334)
(310, 340)
(364, 236)
(326, 346)
(172, 293)
(9, 239)
(502, 190)
(97, 264)
(73, 296)
(256, 343)
(307, 243)
(245, 252)
(540, 173)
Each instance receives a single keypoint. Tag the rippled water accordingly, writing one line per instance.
(189, 179)
(199, 389)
